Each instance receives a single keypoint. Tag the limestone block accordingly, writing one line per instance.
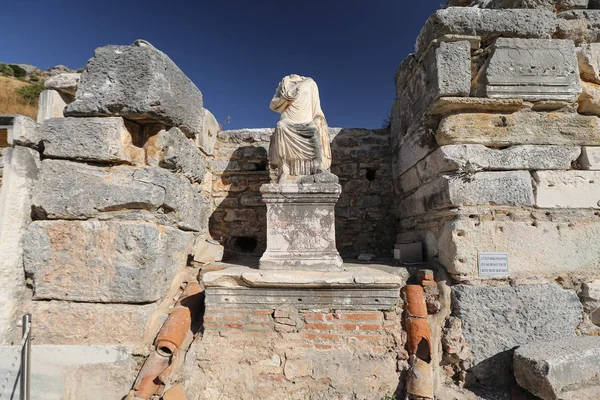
(144, 85)
(549, 128)
(547, 4)
(64, 83)
(103, 261)
(445, 71)
(589, 100)
(517, 316)
(64, 322)
(183, 204)
(207, 251)
(173, 150)
(21, 166)
(498, 188)
(58, 372)
(90, 139)
(462, 157)
(51, 105)
(581, 26)
(22, 130)
(550, 370)
(536, 247)
(301, 226)
(532, 69)
(567, 189)
(523, 23)
(452, 105)
(590, 296)
(590, 158)
(588, 56)
(68, 190)
(412, 148)
(210, 129)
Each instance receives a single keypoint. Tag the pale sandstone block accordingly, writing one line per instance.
(452, 105)
(589, 100)
(51, 105)
(483, 188)
(590, 158)
(210, 129)
(588, 56)
(21, 166)
(159, 92)
(62, 322)
(90, 139)
(413, 147)
(535, 247)
(553, 369)
(108, 262)
(22, 130)
(488, 24)
(64, 83)
(551, 128)
(532, 69)
(567, 189)
(476, 157)
(590, 296)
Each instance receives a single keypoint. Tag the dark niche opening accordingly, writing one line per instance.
(244, 244)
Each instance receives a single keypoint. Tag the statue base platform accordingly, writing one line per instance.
(301, 226)
(355, 288)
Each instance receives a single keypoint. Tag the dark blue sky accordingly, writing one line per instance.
(236, 52)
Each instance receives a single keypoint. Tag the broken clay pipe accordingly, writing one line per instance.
(191, 289)
(173, 333)
(148, 383)
(420, 377)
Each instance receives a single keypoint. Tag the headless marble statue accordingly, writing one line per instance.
(299, 148)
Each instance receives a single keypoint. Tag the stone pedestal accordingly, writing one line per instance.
(301, 226)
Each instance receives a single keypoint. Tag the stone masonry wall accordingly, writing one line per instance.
(291, 354)
(494, 134)
(361, 159)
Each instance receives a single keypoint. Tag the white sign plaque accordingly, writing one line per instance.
(493, 264)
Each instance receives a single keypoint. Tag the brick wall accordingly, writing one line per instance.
(364, 213)
(291, 353)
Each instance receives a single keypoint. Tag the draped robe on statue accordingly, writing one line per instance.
(300, 143)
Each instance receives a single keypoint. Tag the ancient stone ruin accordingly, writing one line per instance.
(453, 255)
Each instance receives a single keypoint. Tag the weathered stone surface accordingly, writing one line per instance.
(210, 129)
(581, 26)
(173, 150)
(590, 158)
(63, 322)
(93, 261)
(542, 245)
(517, 316)
(588, 56)
(532, 69)
(51, 105)
(138, 82)
(445, 71)
(22, 130)
(412, 148)
(534, 23)
(520, 128)
(63, 83)
(68, 190)
(589, 100)
(20, 174)
(57, 372)
(551, 370)
(241, 136)
(590, 296)
(499, 188)
(547, 4)
(567, 189)
(89, 139)
(452, 105)
(191, 210)
(301, 226)
(474, 157)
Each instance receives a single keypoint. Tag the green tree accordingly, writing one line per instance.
(18, 71)
(6, 70)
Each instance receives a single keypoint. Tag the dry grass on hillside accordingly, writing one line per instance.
(10, 102)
